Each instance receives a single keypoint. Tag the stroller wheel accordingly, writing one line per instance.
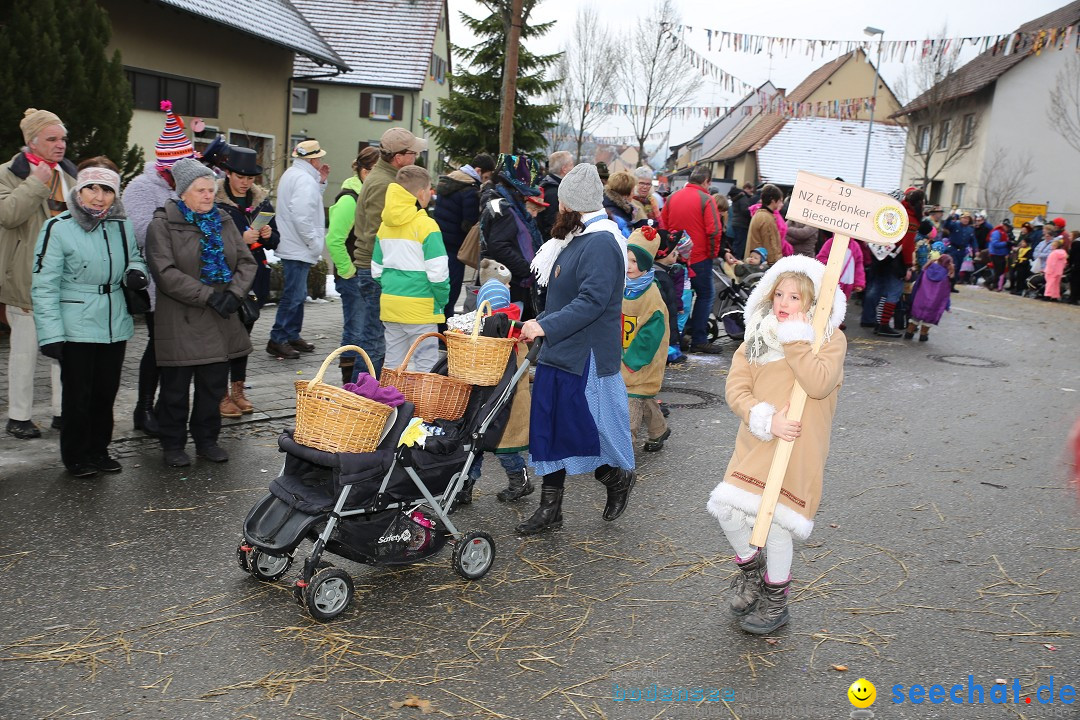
(266, 567)
(474, 555)
(242, 556)
(328, 594)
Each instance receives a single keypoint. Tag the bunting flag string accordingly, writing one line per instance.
(1036, 41)
(847, 108)
(605, 139)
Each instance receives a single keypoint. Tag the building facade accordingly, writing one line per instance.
(399, 54)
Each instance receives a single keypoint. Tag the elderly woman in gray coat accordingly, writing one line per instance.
(203, 270)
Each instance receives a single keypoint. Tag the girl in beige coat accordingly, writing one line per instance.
(777, 353)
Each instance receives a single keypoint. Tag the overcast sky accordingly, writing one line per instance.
(818, 19)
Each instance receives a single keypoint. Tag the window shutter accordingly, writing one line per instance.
(365, 104)
(313, 100)
(399, 107)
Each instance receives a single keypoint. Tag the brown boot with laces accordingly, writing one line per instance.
(228, 408)
(238, 398)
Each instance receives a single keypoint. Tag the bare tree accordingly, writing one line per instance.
(1064, 112)
(1004, 180)
(587, 71)
(942, 126)
(653, 81)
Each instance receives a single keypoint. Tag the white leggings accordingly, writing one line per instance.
(779, 547)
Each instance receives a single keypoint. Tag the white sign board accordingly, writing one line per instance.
(846, 209)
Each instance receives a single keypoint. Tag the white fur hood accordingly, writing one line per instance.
(760, 303)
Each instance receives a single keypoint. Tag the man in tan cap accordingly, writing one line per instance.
(301, 223)
(34, 187)
(397, 148)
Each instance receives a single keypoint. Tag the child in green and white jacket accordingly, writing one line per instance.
(409, 262)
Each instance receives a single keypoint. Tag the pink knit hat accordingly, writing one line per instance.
(173, 144)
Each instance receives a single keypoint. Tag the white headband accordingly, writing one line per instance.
(97, 176)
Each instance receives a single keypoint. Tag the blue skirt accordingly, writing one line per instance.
(579, 422)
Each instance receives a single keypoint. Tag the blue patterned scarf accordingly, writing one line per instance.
(215, 268)
(636, 286)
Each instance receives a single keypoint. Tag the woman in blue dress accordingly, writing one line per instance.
(580, 421)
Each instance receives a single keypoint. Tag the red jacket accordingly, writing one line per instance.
(692, 209)
(907, 243)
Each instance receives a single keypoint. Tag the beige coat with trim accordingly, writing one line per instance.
(750, 384)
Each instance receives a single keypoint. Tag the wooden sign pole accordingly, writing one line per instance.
(822, 312)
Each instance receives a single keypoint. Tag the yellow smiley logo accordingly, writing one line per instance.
(862, 693)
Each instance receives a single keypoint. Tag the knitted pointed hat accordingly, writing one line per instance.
(173, 144)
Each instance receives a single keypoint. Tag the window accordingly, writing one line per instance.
(968, 136)
(958, 194)
(382, 107)
(425, 110)
(923, 139)
(305, 100)
(437, 69)
(299, 100)
(943, 138)
(263, 145)
(189, 96)
(296, 139)
(378, 106)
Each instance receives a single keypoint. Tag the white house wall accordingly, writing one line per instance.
(1020, 120)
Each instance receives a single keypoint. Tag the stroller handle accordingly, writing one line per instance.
(534, 351)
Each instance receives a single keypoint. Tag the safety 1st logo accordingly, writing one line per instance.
(630, 327)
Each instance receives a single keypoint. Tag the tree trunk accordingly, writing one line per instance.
(510, 71)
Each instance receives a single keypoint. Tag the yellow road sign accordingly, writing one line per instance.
(1027, 209)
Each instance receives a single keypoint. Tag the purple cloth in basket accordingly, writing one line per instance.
(367, 386)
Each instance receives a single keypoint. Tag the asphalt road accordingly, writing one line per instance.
(947, 546)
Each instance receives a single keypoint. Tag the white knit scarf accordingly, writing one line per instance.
(544, 260)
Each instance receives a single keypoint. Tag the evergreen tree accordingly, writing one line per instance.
(53, 56)
(470, 116)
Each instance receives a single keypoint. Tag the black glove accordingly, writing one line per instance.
(135, 279)
(53, 350)
(223, 303)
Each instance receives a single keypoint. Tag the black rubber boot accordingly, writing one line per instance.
(619, 483)
(771, 611)
(883, 330)
(519, 487)
(747, 584)
(548, 516)
(346, 371)
(145, 419)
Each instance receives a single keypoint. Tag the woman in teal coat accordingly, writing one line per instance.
(82, 258)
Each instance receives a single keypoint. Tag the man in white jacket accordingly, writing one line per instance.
(303, 233)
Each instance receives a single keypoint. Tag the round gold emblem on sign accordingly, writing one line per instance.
(890, 222)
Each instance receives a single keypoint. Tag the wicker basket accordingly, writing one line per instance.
(435, 396)
(477, 359)
(335, 420)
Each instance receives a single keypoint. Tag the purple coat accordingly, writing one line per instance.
(930, 297)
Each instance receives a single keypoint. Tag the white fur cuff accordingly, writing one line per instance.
(794, 331)
(761, 421)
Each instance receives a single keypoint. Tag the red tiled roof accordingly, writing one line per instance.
(988, 67)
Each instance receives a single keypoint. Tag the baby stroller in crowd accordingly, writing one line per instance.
(731, 297)
(387, 507)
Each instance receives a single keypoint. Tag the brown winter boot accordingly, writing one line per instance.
(238, 398)
(347, 366)
(910, 332)
(228, 408)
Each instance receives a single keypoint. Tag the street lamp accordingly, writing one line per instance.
(872, 31)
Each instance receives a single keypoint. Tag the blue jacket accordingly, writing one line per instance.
(583, 313)
(961, 236)
(77, 271)
(998, 245)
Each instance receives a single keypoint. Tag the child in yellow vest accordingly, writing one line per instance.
(645, 337)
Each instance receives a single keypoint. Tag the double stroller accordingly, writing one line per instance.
(387, 507)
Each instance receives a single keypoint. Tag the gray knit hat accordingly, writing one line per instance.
(581, 189)
(186, 171)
